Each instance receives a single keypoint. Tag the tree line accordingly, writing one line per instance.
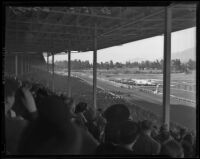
(176, 65)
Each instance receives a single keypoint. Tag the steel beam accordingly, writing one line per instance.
(95, 71)
(45, 32)
(69, 73)
(28, 65)
(85, 14)
(10, 40)
(41, 29)
(56, 24)
(47, 63)
(31, 66)
(25, 65)
(53, 72)
(16, 65)
(68, 12)
(131, 22)
(22, 67)
(175, 19)
(166, 71)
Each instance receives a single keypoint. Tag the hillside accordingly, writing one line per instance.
(185, 55)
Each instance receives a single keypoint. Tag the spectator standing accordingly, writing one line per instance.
(127, 138)
(54, 133)
(146, 145)
(15, 125)
(164, 135)
(187, 144)
(172, 149)
(114, 115)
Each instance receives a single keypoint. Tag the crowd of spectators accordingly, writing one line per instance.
(40, 121)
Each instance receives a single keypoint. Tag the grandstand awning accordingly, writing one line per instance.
(57, 29)
(34, 30)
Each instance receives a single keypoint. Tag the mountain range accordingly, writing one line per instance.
(184, 56)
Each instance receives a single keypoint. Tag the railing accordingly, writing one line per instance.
(150, 91)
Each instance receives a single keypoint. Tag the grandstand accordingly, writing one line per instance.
(31, 31)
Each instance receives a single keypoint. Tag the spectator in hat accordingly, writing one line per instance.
(172, 149)
(54, 133)
(10, 87)
(164, 135)
(15, 125)
(154, 131)
(183, 132)
(85, 118)
(187, 144)
(128, 135)
(146, 145)
(101, 123)
(114, 115)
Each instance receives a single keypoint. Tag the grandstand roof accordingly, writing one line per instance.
(33, 30)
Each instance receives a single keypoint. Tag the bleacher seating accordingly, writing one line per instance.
(50, 116)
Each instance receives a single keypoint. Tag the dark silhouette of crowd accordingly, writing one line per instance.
(39, 121)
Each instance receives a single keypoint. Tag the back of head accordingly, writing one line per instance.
(10, 87)
(80, 107)
(163, 128)
(46, 138)
(183, 132)
(52, 109)
(164, 134)
(27, 84)
(52, 132)
(112, 133)
(116, 113)
(172, 149)
(128, 132)
(188, 138)
(146, 125)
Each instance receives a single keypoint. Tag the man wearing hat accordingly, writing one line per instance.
(146, 145)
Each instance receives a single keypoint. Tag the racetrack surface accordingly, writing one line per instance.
(82, 90)
(180, 113)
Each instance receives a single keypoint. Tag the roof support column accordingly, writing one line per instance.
(69, 73)
(24, 65)
(48, 70)
(16, 65)
(22, 68)
(47, 63)
(95, 71)
(13, 64)
(28, 64)
(53, 72)
(166, 71)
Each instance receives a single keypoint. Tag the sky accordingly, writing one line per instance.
(146, 49)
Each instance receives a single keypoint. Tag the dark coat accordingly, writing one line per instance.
(146, 145)
(105, 149)
(123, 151)
(13, 130)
